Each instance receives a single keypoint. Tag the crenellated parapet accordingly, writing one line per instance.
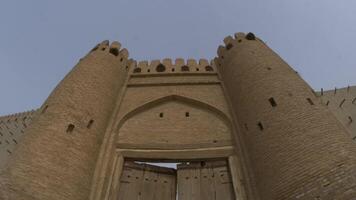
(179, 65)
(17, 116)
(342, 102)
(12, 130)
(247, 106)
(114, 48)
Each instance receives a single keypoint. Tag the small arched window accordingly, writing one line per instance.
(185, 68)
(160, 68)
(70, 128)
(272, 102)
(90, 123)
(137, 70)
(209, 68)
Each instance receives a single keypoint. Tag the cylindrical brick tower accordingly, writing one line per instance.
(57, 157)
(297, 148)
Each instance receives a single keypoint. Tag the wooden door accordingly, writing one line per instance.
(205, 181)
(147, 182)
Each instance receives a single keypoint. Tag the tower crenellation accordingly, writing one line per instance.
(244, 125)
(179, 65)
(281, 119)
(68, 129)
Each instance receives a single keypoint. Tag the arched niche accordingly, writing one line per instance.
(174, 122)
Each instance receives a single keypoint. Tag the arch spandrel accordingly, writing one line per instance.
(174, 122)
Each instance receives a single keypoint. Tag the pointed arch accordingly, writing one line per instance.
(184, 99)
(147, 127)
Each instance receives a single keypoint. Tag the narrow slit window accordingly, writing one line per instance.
(260, 126)
(161, 115)
(70, 128)
(272, 102)
(310, 101)
(90, 123)
(187, 114)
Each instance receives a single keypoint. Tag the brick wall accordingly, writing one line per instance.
(57, 157)
(292, 140)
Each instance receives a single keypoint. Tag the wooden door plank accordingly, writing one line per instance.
(147, 182)
(195, 181)
(207, 183)
(130, 184)
(165, 189)
(150, 179)
(223, 184)
(184, 184)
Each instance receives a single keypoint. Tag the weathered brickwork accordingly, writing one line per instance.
(342, 102)
(12, 129)
(292, 139)
(57, 157)
(247, 107)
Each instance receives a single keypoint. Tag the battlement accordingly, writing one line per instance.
(12, 129)
(179, 66)
(16, 116)
(231, 42)
(114, 49)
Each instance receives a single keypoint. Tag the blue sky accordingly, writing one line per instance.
(42, 40)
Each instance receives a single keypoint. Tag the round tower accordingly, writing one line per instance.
(57, 157)
(296, 147)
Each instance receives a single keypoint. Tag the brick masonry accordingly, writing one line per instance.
(293, 143)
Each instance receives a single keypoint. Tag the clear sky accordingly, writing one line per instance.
(40, 41)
